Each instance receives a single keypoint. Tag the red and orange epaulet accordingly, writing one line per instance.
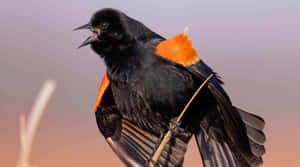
(179, 50)
(103, 87)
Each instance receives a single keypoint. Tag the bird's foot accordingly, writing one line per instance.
(175, 128)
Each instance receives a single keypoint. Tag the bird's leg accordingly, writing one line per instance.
(158, 143)
(175, 128)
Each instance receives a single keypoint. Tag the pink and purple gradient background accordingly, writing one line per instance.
(254, 46)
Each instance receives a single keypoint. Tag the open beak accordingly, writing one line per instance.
(90, 39)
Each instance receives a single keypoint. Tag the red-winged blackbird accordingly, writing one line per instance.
(148, 82)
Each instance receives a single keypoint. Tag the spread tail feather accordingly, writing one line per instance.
(250, 119)
(216, 152)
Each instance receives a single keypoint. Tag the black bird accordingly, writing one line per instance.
(148, 82)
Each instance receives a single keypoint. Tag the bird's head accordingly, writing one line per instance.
(112, 31)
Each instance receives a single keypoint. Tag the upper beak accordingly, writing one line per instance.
(86, 26)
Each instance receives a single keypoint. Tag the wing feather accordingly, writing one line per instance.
(133, 145)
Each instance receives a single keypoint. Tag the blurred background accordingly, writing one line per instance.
(253, 45)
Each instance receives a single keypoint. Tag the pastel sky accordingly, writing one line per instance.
(253, 45)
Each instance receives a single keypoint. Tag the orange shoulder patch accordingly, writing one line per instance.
(178, 49)
(103, 86)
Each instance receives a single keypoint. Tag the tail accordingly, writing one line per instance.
(218, 151)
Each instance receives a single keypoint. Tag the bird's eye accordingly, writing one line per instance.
(104, 25)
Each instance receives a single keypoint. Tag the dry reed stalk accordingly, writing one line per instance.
(27, 133)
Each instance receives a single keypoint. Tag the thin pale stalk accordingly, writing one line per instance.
(28, 132)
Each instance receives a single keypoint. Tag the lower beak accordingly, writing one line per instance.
(88, 41)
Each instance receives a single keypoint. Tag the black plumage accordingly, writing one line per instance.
(146, 91)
